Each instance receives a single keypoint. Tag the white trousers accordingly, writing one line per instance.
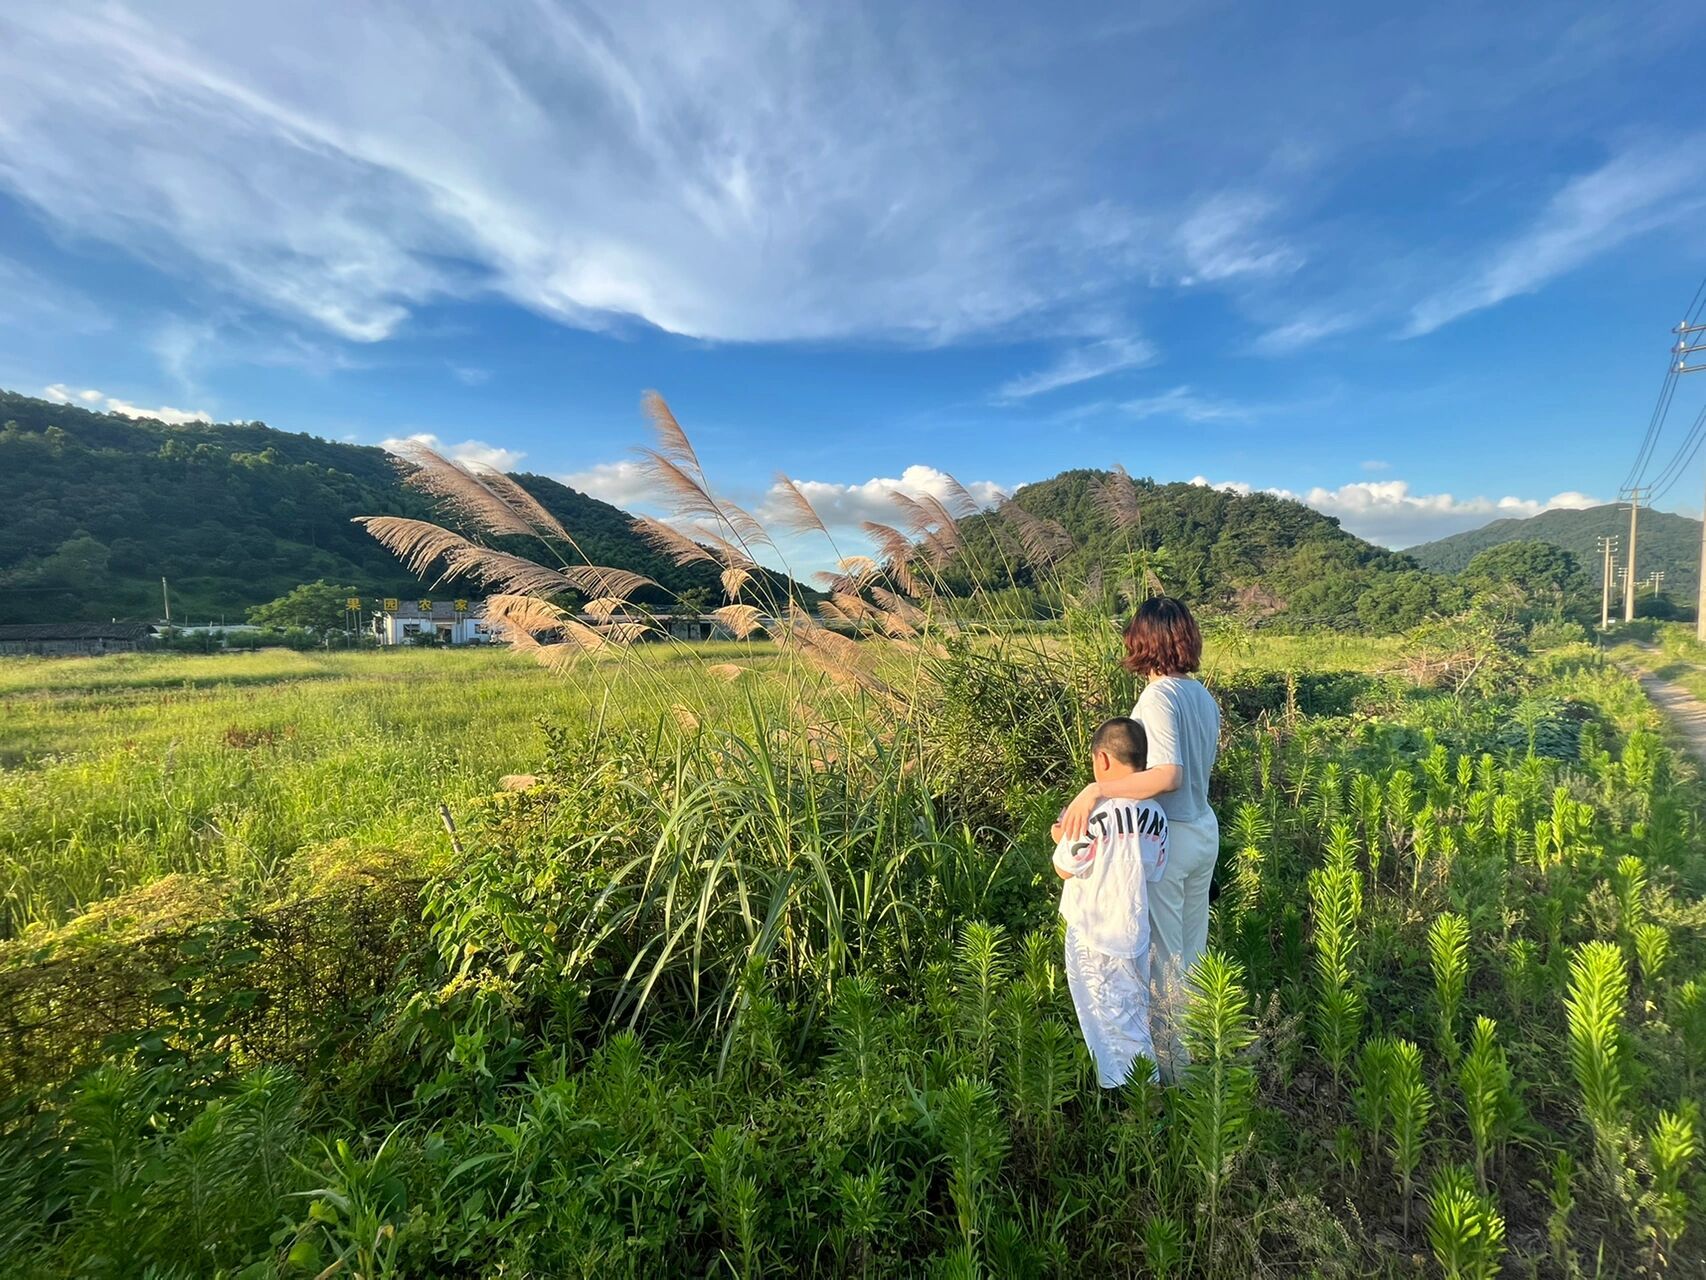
(1111, 995)
(1178, 932)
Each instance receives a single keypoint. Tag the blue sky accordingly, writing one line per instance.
(1416, 267)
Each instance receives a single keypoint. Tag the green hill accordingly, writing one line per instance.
(99, 508)
(1252, 552)
(1665, 541)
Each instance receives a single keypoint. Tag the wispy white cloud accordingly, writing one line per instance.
(1081, 364)
(1224, 238)
(849, 505)
(479, 451)
(1388, 513)
(1375, 464)
(470, 375)
(1187, 405)
(1306, 331)
(1636, 191)
(88, 397)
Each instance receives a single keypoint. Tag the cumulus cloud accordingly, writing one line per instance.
(59, 393)
(479, 451)
(1637, 191)
(622, 484)
(1387, 513)
(1081, 364)
(848, 505)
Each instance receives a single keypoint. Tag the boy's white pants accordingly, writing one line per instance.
(1178, 932)
(1111, 995)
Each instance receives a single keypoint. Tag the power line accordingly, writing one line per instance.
(1667, 392)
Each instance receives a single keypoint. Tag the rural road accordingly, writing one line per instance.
(1686, 712)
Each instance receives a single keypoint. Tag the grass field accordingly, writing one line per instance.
(245, 768)
(763, 976)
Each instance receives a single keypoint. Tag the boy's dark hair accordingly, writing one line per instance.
(1124, 739)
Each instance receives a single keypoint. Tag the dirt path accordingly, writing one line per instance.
(1685, 712)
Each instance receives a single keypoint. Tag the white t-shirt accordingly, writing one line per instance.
(1182, 720)
(1107, 898)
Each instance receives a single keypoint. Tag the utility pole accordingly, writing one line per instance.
(1607, 549)
(167, 600)
(1629, 571)
(1685, 347)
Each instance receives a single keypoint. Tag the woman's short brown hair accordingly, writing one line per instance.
(1162, 639)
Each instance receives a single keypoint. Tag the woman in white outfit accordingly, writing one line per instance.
(1182, 720)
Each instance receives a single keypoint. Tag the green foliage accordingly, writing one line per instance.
(1448, 956)
(1672, 1145)
(1490, 1102)
(316, 606)
(1464, 1227)
(1411, 1105)
(1216, 1095)
(233, 514)
(1671, 540)
(728, 990)
(1594, 1007)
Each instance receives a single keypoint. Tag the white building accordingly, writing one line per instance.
(444, 621)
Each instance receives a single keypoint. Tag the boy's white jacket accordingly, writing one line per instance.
(1107, 899)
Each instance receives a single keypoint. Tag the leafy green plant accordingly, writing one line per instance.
(1411, 1105)
(1652, 950)
(968, 1126)
(1672, 1145)
(1335, 891)
(1464, 1227)
(1448, 956)
(1489, 1094)
(1594, 1007)
(1215, 1099)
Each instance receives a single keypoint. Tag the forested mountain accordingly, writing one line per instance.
(1665, 541)
(99, 508)
(1253, 552)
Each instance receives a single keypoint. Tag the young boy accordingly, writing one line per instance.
(1105, 901)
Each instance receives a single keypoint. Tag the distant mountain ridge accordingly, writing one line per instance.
(99, 508)
(1664, 541)
(1250, 552)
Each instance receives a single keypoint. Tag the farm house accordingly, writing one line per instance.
(65, 639)
(446, 621)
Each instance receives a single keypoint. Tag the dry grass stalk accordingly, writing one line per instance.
(796, 513)
(672, 440)
(508, 574)
(597, 580)
(1116, 498)
(728, 671)
(744, 524)
(604, 608)
(1044, 541)
(416, 543)
(897, 551)
(741, 619)
(519, 620)
(687, 495)
(460, 490)
(735, 580)
(519, 500)
(914, 514)
(852, 607)
(625, 631)
(960, 502)
(671, 542)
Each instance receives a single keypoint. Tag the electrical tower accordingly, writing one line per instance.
(1687, 346)
(1629, 569)
(1607, 548)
